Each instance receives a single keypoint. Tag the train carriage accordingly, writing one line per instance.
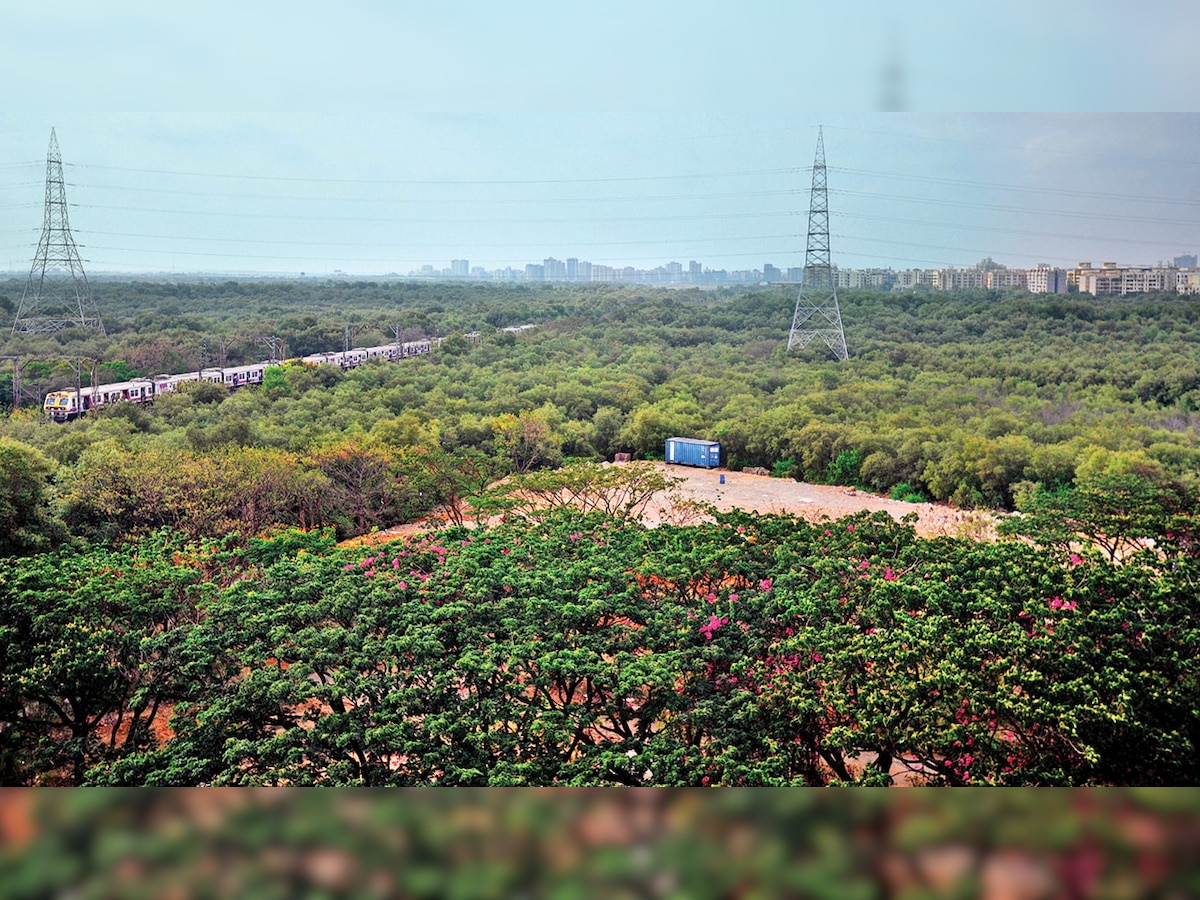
(71, 403)
(68, 404)
(238, 376)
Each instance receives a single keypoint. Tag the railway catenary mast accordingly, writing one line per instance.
(57, 294)
(817, 314)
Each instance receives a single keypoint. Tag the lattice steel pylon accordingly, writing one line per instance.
(817, 314)
(57, 294)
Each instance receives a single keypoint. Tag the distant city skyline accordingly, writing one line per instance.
(281, 194)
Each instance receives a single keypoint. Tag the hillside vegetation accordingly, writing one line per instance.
(979, 401)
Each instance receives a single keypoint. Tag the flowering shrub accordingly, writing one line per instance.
(750, 650)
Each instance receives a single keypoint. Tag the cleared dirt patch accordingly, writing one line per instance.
(764, 494)
(761, 493)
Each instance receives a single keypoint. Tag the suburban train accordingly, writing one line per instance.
(62, 406)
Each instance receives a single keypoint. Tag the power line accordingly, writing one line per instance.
(991, 145)
(391, 260)
(1029, 189)
(408, 201)
(491, 246)
(457, 220)
(964, 204)
(1000, 229)
(443, 181)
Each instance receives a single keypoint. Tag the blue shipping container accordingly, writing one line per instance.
(693, 452)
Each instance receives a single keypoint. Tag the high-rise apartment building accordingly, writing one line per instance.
(554, 269)
(1187, 281)
(959, 279)
(1044, 279)
(998, 279)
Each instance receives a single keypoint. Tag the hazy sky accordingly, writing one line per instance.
(400, 134)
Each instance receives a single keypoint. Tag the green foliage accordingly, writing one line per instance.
(786, 468)
(581, 649)
(91, 659)
(275, 381)
(25, 519)
(845, 469)
(621, 492)
(568, 644)
(908, 494)
(526, 440)
(454, 345)
(563, 844)
(945, 392)
(1118, 514)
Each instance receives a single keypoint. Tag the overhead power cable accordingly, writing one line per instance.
(444, 181)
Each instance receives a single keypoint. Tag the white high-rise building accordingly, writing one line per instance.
(1045, 279)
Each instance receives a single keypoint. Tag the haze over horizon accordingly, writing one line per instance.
(402, 135)
(288, 193)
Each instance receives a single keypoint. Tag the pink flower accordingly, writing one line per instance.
(849, 527)
(1056, 603)
(1076, 559)
(395, 563)
(349, 567)
(713, 624)
(733, 598)
(888, 574)
(765, 585)
(404, 585)
(864, 565)
(711, 598)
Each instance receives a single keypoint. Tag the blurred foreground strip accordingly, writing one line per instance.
(600, 843)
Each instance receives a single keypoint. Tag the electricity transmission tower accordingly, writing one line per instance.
(817, 314)
(57, 294)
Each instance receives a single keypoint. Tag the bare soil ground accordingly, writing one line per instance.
(761, 493)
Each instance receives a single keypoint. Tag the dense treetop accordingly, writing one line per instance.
(974, 399)
(174, 608)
